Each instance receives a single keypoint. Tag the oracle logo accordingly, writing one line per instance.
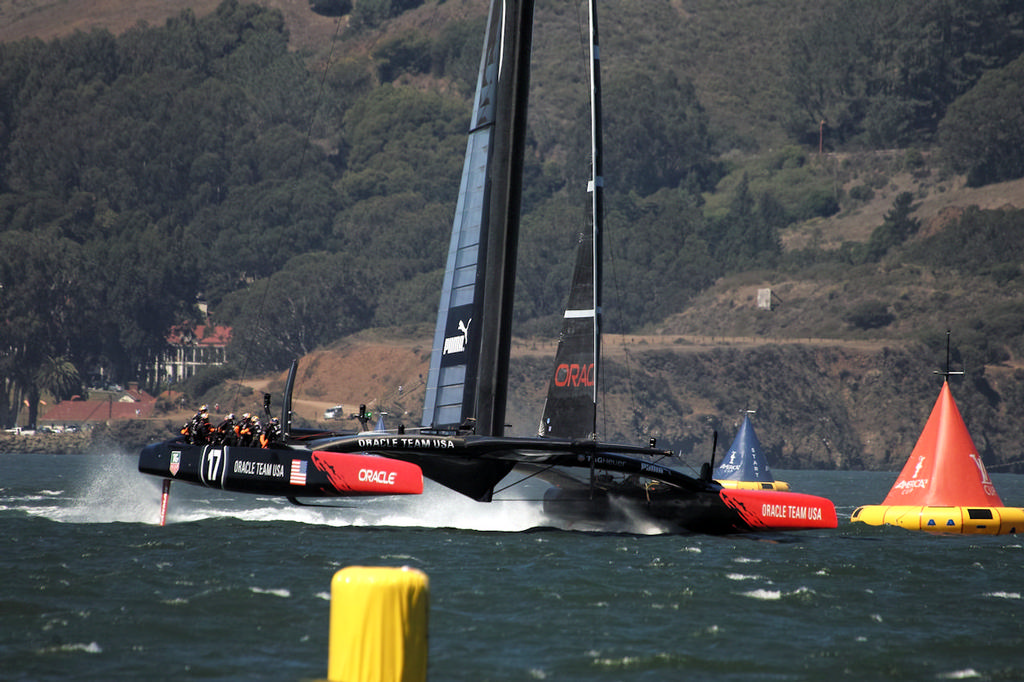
(374, 476)
(572, 375)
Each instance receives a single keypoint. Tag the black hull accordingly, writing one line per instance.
(640, 488)
(629, 508)
(279, 470)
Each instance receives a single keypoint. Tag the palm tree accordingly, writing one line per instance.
(59, 376)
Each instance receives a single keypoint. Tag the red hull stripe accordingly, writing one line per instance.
(773, 509)
(369, 474)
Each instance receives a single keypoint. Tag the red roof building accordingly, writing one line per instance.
(189, 349)
(133, 403)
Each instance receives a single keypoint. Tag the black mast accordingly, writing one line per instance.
(597, 193)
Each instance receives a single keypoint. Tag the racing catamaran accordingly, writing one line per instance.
(288, 466)
(461, 443)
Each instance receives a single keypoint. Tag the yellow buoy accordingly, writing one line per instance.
(378, 625)
(943, 519)
(754, 485)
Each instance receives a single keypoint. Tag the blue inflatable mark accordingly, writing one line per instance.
(745, 460)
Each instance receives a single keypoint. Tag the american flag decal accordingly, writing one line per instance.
(298, 475)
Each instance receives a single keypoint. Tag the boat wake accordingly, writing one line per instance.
(113, 491)
(110, 489)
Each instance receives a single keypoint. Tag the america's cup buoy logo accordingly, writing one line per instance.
(986, 482)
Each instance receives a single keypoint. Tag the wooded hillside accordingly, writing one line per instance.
(297, 170)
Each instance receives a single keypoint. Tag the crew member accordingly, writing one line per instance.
(270, 433)
(198, 429)
(243, 430)
(225, 433)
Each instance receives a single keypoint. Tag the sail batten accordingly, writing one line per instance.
(573, 314)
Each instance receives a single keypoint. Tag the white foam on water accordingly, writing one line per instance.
(113, 490)
(741, 576)
(764, 595)
(90, 648)
(1002, 595)
(775, 595)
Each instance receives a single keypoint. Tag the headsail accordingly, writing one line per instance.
(570, 410)
(469, 362)
(571, 406)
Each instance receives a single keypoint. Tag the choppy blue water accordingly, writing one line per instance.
(237, 588)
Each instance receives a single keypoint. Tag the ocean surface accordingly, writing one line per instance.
(238, 587)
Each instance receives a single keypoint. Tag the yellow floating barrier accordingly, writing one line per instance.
(378, 630)
(754, 485)
(944, 486)
(935, 519)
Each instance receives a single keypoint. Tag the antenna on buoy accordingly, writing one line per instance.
(948, 373)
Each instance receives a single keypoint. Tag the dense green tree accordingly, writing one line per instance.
(314, 299)
(394, 134)
(331, 8)
(883, 73)
(402, 225)
(982, 133)
(372, 13)
(981, 242)
(410, 53)
(896, 229)
(156, 165)
(49, 303)
(656, 136)
(870, 314)
(747, 235)
(658, 255)
(203, 157)
(455, 54)
(547, 244)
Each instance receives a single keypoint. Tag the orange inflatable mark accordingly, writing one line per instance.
(944, 469)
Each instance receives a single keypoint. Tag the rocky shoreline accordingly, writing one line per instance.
(126, 437)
